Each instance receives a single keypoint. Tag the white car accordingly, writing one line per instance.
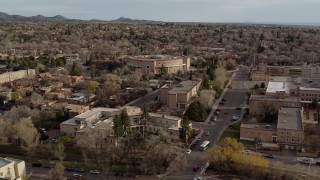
(188, 151)
(94, 172)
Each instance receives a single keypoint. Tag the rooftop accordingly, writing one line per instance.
(266, 127)
(273, 98)
(183, 87)
(273, 87)
(4, 162)
(290, 118)
(156, 57)
(156, 115)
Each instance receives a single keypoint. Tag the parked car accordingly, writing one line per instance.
(224, 100)
(221, 103)
(77, 175)
(268, 155)
(95, 172)
(207, 133)
(214, 118)
(69, 169)
(36, 164)
(216, 112)
(199, 139)
(235, 117)
(318, 163)
(195, 169)
(81, 170)
(188, 151)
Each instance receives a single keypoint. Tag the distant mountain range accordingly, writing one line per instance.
(4, 17)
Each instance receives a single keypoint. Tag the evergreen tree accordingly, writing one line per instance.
(205, 83)
(117, 126)
(125, 122)
(145, 115)
(76, 69)
(185, 130)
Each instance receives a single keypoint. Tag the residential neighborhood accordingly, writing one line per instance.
(157, 100)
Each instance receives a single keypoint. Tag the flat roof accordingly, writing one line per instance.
(273, 87)
(183, 87)
(290, 118)
(155, 57)
(157, 115)
(309, 89)
(273, 98)
(4, 162)
(260, 126)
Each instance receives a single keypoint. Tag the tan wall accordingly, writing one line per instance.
(69, 129)
(172, 100)
(286, 134)
(13, 171)
(15, 75)
(8, 171)
(164, 94)
(309, 95)
(182, 97)
(255, 105)
(250, 133)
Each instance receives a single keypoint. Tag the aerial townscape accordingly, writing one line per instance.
(148, 99)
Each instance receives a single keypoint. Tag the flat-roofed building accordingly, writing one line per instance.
(258, 102)
(287, 131)
(166, 123)
(179, 96)
(152, 64)
(12, 169)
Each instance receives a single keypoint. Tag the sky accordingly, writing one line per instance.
(239, 11)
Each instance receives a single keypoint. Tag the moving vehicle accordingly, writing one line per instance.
(188, 151)
(95, 172)
(235, 117)
(204, 145)
(214, 118)
(207, 133)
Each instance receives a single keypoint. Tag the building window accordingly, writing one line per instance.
(148, 67)
(292, 140)
(282, 132)
(287, 140)
(75, 129)
(292, 134)
(287, 133)
(298, 134)
(298, 140)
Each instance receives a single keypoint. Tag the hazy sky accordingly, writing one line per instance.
(305, 11)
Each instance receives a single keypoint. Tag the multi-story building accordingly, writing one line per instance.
(179, 97)
(304, 70)
(288, 131)
(103, 117)
(12, 169)
(278, 94)
(152, 64)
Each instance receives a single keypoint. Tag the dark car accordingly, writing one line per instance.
(269, 156)
(37, 165)
(195, 169)
(221, 103)
(69, 169)
(81, 170)
(318, 163)
(223, 99)
(217, 112)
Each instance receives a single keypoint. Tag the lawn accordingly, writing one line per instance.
(235, 135)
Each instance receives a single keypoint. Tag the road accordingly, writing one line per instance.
(145, 100)
(234, 98)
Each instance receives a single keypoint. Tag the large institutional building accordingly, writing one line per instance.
(12, 169)
(152, 64)
(15, 75)
(287, 132)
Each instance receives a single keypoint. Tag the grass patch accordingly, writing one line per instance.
(235, 135)
(79, 164)
(235, 126)
(73, 151)
(123, 168)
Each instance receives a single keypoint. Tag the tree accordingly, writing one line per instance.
(93, 71)
(125, 121)
(117, 126)
(205, 83)
(76, 69)
(196, 111)
(145, 117)
(269, 112)
(220, 76)
(185, 129)
(207, 98)
(163, 70)
(230, 156)
(92, 86)
(26, 133)
(36, 99)
(256, 86)
(57, 172)
(262, 85)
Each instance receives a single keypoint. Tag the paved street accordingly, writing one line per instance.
(234, 98)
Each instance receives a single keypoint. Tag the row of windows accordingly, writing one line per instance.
(292, 133)
(311, 95)
(293, 140)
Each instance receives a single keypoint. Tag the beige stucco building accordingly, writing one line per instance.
(12, 169)
(288, 132)
(179, 97)
(15, 75)
(151, 64)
